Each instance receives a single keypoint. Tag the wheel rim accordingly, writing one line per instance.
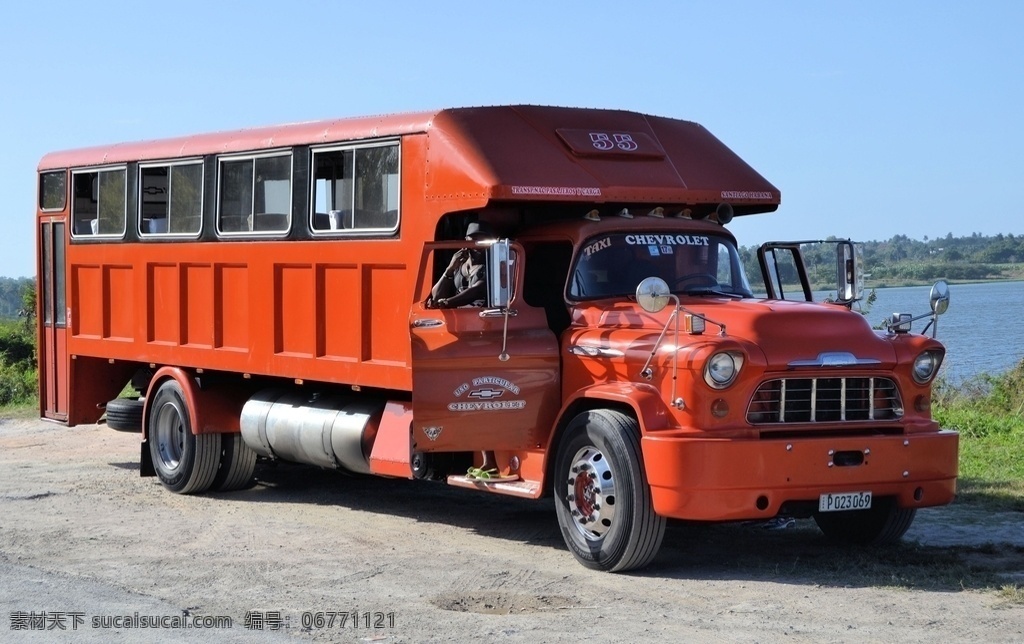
(170, 434)
(590, 493)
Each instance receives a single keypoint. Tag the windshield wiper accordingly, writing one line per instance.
(713, 291)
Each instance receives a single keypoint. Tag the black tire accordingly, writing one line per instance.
(237, 464)
(125, 414)
(607, 519)
(184, 462)
(885, 522)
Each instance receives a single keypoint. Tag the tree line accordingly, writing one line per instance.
(16, 295)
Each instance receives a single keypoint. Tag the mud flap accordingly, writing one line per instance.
(145, 460)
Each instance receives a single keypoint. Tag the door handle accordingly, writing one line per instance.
(497, 313)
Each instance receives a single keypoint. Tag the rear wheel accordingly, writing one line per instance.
(884, 522)
(184, 462)
(602, 499)
(237, 464)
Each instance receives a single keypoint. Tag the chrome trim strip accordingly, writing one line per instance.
(835, 359)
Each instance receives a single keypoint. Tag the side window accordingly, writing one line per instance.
(53, 190)
(355, 189)
(171, 199)
(98, 208)
(255, 195)
(462, 278)
(724, 272)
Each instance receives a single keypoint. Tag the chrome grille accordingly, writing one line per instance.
(825, 400)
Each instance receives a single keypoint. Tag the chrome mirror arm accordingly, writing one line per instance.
(647, 373)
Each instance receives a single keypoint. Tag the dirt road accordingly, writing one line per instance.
(84, 540)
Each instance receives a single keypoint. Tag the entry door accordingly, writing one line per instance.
(53, 351)
(469, 394)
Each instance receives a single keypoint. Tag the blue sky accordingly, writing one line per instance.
(873, 118)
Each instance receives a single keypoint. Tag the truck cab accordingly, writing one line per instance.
(685, 389)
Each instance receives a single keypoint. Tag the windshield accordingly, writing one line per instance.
(612, 265)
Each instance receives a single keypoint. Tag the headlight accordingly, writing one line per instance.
(721, 369)
(926, 365)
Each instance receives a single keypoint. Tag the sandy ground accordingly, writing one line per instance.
(81, 534)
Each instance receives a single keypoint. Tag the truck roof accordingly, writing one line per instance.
(510, 153)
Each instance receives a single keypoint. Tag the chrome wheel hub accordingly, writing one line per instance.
(590, 493)
(170, 435)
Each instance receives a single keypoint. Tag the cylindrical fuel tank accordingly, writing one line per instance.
(328, 431)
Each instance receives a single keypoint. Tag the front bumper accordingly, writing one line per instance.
(710, 479)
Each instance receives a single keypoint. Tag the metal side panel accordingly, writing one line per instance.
(392, 450)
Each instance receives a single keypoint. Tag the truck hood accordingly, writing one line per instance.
(785, 332)
(788, 332)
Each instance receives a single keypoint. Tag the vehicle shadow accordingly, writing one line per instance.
(802, 555)
(746, 551)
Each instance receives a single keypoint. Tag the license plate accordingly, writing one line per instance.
(844, 501)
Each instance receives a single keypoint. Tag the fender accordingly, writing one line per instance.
(645, 400)
(210, 411)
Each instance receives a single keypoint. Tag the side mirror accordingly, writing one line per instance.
(849, 271)
(939, 297)
(499, 274)
(652, 294)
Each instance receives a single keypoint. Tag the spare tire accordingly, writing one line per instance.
(125, 414)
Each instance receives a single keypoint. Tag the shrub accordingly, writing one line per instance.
(17, 384)
(18, 374)
(17, 347)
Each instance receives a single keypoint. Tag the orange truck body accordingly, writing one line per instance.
(323, 313)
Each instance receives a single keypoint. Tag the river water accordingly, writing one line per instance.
(983, 330)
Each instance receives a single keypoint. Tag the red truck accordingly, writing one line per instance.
(267, 294)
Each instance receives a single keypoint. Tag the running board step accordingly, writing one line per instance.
(524, 489)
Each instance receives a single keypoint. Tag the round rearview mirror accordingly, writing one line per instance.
(652, 294)
(939, 298)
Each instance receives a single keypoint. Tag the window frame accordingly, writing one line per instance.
(354, 147)
(123, 167)
(202, 197)
(253, 156)
(64, 198)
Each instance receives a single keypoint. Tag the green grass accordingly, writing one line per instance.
(21, 410)
(989, 414)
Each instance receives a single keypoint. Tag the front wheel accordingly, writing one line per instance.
(184, 462)
(884, 522)
(602, 499)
